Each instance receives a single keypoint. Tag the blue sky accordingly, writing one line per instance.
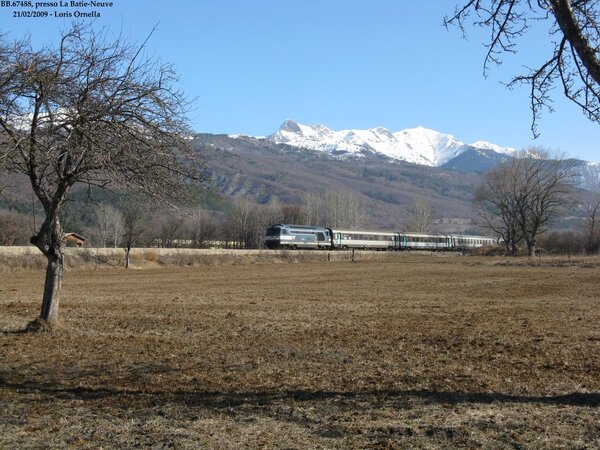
(251, 64)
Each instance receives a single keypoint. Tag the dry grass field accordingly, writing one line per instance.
(406, 352)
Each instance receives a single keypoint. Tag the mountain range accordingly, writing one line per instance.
(386, 171)
(415, 145)
(262, 170)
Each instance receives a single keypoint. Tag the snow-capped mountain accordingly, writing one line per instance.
(416, 145)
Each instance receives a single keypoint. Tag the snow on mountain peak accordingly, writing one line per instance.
(429, 147)
(496, 148)
(291, 126)
(418, 145)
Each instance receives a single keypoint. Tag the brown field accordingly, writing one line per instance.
(400, 352)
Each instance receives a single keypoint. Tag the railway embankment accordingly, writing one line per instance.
(26, 258)
(29, 258)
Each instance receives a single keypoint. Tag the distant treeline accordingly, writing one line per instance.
(108, 220)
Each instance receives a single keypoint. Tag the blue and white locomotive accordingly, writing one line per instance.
(306, 237)
(297, 237)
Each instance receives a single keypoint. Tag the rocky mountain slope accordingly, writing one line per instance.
(262, 170)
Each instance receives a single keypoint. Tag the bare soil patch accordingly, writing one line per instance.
(407, 352)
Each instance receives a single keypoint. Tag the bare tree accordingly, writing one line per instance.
(243, 221)
(228, 234)
(344, 209)
(497, 206)
(337, 209)
(313, 208)
(102, 220)
(117, 226)
(95, 111)
(13, 228)
(201, 228)
(521, 196)
(170, 229)
(546, 185)
(265, 216)
(591, 201)
(573, 65)
(592, 215)
(271, 213)
(110, 224)
(247, 221)
(420, 220)
(133, 228)
(291, 214)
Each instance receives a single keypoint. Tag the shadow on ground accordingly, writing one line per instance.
(224, 399)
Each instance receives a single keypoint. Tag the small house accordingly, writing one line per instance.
(73, 239)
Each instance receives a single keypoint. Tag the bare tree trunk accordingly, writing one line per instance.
(591, 233)
(531, 249)
(49, 241)
(127, 251)
(52, 285)
(593, 210)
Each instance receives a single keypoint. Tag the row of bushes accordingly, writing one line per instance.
(569, 243)
(552, 243)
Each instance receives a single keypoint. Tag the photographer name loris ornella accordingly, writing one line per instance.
(76, 14)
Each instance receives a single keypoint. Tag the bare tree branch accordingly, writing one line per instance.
(420, 220)
(521, 196)
(574, 63)
(95, 111)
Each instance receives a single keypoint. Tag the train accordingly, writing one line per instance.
(288, 236)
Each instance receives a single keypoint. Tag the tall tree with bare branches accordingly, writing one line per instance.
(133, 227)
(496, 202)
(520, 197)
(200, 227)
(421, 217)
(574, 64)
(591, 203)
(110, 224)
(90, 110)
(334, 209)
